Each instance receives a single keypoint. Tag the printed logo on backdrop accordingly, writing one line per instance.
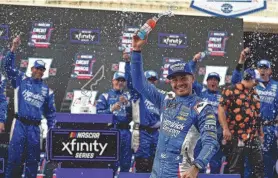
(229, 8)
(167, 40)
(83, 67)
(40, 34)
(166, 63)
(31, 61)
(85, 145)
(84, 36)
(216, 43)
(126, 38)
(4, 32)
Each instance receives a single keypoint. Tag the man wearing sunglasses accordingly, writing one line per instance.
(267, 89)
(33, 99)
(117, 102)
(146, 121)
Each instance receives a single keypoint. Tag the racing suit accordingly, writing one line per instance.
(269, 109)
(33, 99)
(147, 121)
(3, 101)
(212, 97)
(121, 121)
(182, 118)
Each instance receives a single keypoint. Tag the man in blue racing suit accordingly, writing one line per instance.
(268, 92)
(182, 118)
(3, 103)
(146, 122)
(117, 102)
(33, 99)
(212, 95)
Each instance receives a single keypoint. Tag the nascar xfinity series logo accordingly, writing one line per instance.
(172, 40)
(83, 145)
(84, 36)
(81, 149)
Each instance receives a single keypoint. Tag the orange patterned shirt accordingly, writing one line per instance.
(242, 108)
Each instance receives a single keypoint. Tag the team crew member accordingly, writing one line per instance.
(146, 122)
(3, 103)
(268, 92)
(179, 116)
(116, 102)
(239, 115)
(210, 94)
(33, 99)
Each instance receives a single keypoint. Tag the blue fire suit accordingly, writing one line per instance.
(147, 122)
(182, 117)
(121, 120)
(269, 110)
(212, 97)
(33, 99)
(3, 101)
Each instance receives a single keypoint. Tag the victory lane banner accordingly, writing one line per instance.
(83, 67)
(83, 145)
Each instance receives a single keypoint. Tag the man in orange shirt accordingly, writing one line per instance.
(239, 116)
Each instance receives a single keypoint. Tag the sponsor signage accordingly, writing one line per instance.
(216, 43)
(83, 145)
(84, 36)
(167, 40)
(40, 34)
(83, 67)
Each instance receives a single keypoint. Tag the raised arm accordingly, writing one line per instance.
(10, 70)
(141, 84)
(139, 81)
(237, 75)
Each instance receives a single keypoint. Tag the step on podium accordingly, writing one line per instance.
(83, 145)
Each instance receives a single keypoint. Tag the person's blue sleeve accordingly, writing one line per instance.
(141, 84)
(50, 109)
(133, 93)
(236, 77)
(197, 87)
(207, 127)
(13, 74)
(192, 65)
(102, 106)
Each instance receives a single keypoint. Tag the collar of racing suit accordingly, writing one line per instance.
(185, 98)
(37, 81)
(117, 91)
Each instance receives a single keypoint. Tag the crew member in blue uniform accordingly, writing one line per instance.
(33, 99)
(117, 102)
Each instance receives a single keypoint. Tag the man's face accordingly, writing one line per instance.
(153, 80)
(37, 73)
(213, 84)
(182, 84)
(118, 84)
(264, 73)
